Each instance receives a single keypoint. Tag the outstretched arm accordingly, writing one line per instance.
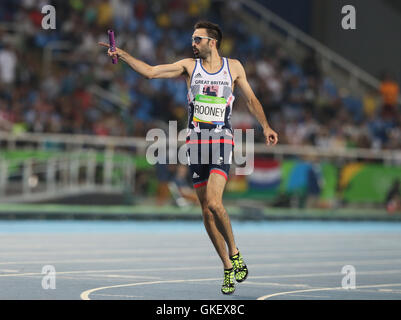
(253, 104)
(172, 70)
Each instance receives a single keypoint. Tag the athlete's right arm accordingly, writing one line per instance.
(172, 70)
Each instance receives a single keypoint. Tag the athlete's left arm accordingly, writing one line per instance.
(252, 102)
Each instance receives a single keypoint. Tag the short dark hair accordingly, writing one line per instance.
(213, 30)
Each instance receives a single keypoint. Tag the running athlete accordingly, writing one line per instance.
(210, 81)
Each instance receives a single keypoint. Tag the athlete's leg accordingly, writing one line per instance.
(215, 235)
(214, 198)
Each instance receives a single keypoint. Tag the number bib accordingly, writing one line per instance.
(209, 109)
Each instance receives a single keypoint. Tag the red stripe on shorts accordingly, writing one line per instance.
(219, 172)
(200, 184)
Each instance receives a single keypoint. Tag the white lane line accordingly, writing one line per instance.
(310, 296)
(85, 295)
(326, 274)
(275, 284)
(116, 295)
(150, 251)
(128, 276)
(80, 272)
(8, 270)
(392, 292)
(389, 291)
(268, 296)
(114, 270)
(99, 278)
(110, 260)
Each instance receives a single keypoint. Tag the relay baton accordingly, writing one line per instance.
(112, 43)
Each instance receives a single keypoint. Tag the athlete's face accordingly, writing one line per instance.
(201, 46)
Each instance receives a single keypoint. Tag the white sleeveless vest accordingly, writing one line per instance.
(210, 98)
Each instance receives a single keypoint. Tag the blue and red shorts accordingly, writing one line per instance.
(206, 156)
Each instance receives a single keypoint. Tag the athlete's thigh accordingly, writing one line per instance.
(215, 187)
(213, 190)
(219, 169)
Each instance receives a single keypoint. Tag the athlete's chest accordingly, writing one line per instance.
(211, 83)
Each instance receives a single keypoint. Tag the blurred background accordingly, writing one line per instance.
(73, 125)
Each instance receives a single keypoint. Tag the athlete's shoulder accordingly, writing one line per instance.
(234, 63)
(236, 68)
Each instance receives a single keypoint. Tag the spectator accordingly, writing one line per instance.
(389, 90)
(146, 49)
(310, 66)
(370, 103)
(8, 64)
(104, 14)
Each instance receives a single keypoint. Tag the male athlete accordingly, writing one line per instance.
(210, 81)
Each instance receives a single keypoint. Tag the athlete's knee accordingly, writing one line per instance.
(215, 206)
(207, 215)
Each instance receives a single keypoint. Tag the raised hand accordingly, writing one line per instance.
(118, 53)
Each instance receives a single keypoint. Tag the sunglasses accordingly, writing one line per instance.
(198, 39)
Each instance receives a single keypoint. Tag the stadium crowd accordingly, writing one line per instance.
(302, 103)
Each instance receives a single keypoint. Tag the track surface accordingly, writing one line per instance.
(175, 260)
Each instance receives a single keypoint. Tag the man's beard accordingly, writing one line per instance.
(199, 54)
